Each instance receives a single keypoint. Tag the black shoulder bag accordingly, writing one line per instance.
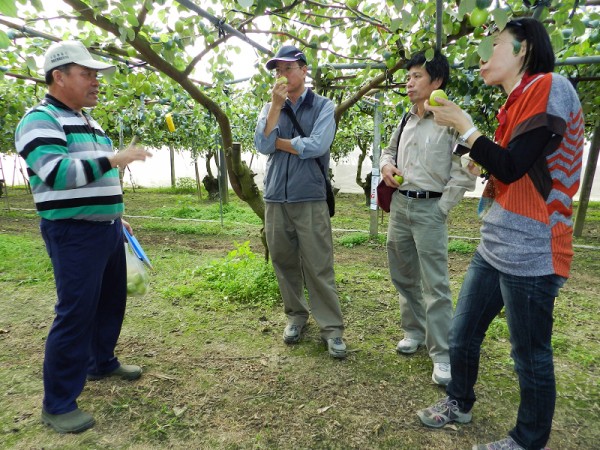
(328, 189)
(384, 192)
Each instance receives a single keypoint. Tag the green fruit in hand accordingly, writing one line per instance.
(438, 93)
(399, 179)
(478, 17)
(281, 80)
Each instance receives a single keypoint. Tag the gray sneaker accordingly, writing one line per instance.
(292, 333)
(504, 444)
(336, 347)
(443, 412)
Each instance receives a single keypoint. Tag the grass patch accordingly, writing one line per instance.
(357, 238)
(23, 260)
(462, 247)
(188, 207)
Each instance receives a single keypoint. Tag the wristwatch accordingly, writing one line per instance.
(463, 139)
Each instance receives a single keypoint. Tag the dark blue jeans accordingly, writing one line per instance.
(91, 284)
(528, 303)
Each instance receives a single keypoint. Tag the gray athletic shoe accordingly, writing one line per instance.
(336, 347)
(443, 412)
(292, 333)
(504, 444)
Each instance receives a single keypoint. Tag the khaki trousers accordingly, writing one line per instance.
(417, 247)
(301, 248)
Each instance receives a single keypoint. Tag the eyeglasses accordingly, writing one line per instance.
(285, 70)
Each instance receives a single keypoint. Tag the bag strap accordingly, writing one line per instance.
(402, 125)
(288, 110)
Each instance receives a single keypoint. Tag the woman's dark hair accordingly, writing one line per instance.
(64, 68)
(539, 55)
(438, 68)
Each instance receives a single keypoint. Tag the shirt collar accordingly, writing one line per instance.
(413, 111)
(306, 95)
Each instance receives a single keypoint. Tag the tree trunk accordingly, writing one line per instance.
(587, 181)
(365, 185)
(211, 184)
(198, 183)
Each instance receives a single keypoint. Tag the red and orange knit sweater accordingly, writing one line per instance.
(528, 230)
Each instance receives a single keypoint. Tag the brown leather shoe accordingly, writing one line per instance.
(74, 421)
(125, 371)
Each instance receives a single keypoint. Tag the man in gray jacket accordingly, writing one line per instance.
(297, 222)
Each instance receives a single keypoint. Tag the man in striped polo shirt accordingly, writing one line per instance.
(76, 189)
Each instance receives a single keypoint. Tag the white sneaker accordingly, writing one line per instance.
(441, 374)
(408, 346)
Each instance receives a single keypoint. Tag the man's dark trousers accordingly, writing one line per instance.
(91, 283)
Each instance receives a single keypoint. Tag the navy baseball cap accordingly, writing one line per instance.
(286, 53)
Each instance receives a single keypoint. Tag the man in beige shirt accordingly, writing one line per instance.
(417, 243)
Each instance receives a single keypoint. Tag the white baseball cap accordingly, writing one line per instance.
(66, 52)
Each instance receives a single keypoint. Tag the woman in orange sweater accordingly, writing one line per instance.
(525, 252)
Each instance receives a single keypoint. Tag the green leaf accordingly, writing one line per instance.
(429, 54)
(8, 8)
(132, 20)
(4, 40)
(557, 40)
(578, 27)
(37, 4)
(485, 48)
(31, 64)
(466, 6)
(472, 60)
(500, 18)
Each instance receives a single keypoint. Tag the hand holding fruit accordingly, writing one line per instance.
(448, 113)
(399, 179)
(438, 93)
(388, 173)
(280, 91)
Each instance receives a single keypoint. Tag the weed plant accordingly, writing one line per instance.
(239, 278)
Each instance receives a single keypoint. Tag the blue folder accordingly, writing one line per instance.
(137, 248)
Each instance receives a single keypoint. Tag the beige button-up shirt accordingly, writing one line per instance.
(426, 161)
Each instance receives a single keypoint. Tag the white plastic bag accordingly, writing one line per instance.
(137, 277)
